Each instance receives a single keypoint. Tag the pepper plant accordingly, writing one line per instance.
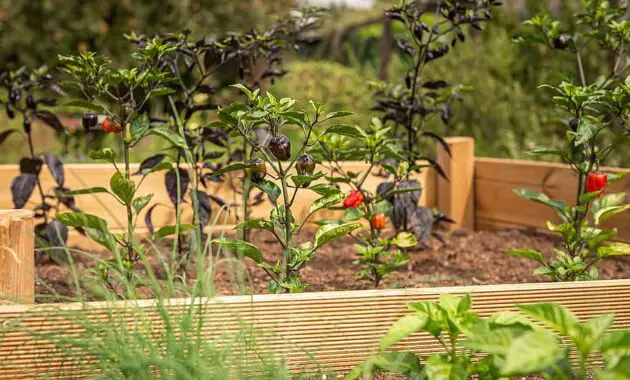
(538, 341)
(28, 95)
(273, 158)
(378, 255)
(120, 95)
(595, 124)
(431, 30)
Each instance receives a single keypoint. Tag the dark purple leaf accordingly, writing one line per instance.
(51, 120)
(30, 165)
(440, 140)
(5, 134)
(56, 167)
(22, 188)
(148, 219)
(67, 200)
(217, 200)
(56, 233)
(150, 163)
(435, 84)
(170, 180)
(436, 166)
(205, 208)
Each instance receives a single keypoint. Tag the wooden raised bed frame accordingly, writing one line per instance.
(335, 330)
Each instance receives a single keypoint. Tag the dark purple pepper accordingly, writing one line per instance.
(258, 171)
(27, 126)
(30, 102)
(574, 123)
(89, 120)
(10, 112)
(280, 147)
(562, 41)
(305, 165)
(14, 96)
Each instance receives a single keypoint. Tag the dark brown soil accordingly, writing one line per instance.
(467, 258)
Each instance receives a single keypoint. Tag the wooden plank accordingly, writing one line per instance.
(335, 330)
(496, 205)
(456, 194)
(92, 175)
(17, 262)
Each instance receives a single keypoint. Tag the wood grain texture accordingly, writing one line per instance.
(455, 194)
(17, 266)
(92, 175)
(497, 206)
(335, 330)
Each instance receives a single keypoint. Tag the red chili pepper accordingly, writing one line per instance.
(107, 126)
(596, 182)
(378, 221)
(354, 199)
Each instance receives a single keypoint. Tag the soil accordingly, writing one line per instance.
(467, 258)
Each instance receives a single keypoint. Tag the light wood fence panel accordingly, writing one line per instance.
(335, 330)
(497, 206)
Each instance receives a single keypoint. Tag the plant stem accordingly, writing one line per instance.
(287, 224)
(130, 255)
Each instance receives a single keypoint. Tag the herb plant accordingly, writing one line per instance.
(29, 94)
(409, 104)
(271, 168)
(596, 115)
(503, 345)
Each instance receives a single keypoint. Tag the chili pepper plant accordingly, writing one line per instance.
(282, 174)
(504, 345)
(199, 67)
(120, 96)
(595, 114)
(29, 96)
(432, 29)
(378, 255)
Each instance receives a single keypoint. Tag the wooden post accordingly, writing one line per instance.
(17, 259)
(455, 196)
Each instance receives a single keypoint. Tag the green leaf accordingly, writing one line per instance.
(537, 197)
(608, 200)
(172, 230)
(124, 188)
(324, 189)
(233, 167)
(555, 316)
(141, 202)
(352, 214)
(161, 91)
(139, 126)
(345, 130)
(614, 249)
(326, 201)
(331, 232)
(495, 341)
(270, 188)
(531, 353)
(241, 87)
(91, 190)
(439, 367)
(257, 224)
(402, 328)
(405, 240)
(173, 137)
(104, 238)
(404, 363)
(615, 344)
(383, 207)
(106, 154)
(299, 180)
(79, 219)
(242, 247)
(527, 253)
(333, 115)
(84, 104)
(607, 212)
(589, 333)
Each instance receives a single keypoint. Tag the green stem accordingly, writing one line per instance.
(287, 224)
(130, 255)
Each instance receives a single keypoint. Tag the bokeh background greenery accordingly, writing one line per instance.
(504, 110)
